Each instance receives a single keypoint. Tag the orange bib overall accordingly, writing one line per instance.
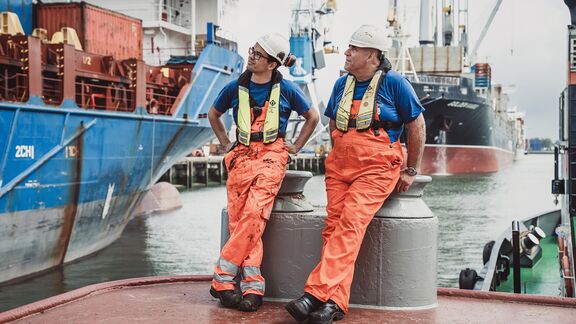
(361, 172)
(255, 173)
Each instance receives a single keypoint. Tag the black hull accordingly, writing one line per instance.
(458, 116)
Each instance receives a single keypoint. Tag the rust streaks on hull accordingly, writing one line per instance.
(71, 209)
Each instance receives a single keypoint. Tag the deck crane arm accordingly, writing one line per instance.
(474, 52)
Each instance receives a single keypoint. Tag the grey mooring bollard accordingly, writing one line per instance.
(396, 266)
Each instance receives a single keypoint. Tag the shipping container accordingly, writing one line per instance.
(23, 9)
(448, 59)
(101, 31)
(483, 75)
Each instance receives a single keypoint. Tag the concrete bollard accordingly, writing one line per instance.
(396, 266)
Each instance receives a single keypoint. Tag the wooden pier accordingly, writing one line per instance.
(307, 162)
(193, 171)
(208, 170)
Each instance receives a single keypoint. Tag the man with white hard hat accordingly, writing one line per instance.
(368, 110)
(261, 101)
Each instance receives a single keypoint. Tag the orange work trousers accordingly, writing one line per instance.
(361, 172)
(255, 173)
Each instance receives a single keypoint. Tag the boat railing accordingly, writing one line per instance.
(162, 55)
(113, 96)
(159, 103)
(175, 16)
(51, 90)
(162, 11)
(202, 42)
(13, 87)
(13, 76)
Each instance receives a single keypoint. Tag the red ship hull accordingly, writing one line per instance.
(462, 159)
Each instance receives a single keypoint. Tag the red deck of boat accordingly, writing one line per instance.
(185, 299)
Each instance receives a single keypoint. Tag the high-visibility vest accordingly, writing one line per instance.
(366, 111)
(272, 119)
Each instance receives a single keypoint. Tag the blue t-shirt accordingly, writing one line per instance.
(396, 99)
(291, 98)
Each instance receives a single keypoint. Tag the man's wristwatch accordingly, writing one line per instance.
(411, 171)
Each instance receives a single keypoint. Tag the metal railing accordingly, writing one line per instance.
(52, 90)
(14, 87)
(113, 97)
(175, 16)
(159, 104)
(161, 55)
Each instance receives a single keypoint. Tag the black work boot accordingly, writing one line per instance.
(326, 314)
(228, 298)
(302, 307)
(250, 303)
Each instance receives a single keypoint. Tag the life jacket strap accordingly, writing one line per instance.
(377, 124)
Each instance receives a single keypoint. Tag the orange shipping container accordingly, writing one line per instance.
(101, 31)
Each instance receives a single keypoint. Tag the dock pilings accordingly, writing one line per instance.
(205, 170)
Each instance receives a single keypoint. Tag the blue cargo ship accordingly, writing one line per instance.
(84, 136)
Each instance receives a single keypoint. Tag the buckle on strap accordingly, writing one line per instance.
(259, 136)
(385, 124)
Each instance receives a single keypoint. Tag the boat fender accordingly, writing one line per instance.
(468, 279)
(487, 251)
(569, 288)
(560, 249)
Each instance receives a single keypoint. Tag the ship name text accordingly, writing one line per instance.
(463, 104)
(24, 151)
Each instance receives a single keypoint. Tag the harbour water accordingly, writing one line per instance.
(471, 209)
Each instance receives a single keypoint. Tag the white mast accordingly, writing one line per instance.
(447, 23)
(426, 19)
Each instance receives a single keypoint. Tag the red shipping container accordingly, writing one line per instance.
(101, 31)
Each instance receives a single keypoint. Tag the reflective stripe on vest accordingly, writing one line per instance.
(271, 123)
(244, 116)
(366, 111)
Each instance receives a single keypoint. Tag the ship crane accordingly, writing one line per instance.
(474, 52)
(310, 41)
(403, 63)
(393, 23)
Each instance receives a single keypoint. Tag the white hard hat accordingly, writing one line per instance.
(370, 36)
(277, 46)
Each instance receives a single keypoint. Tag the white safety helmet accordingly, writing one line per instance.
(278, 47)
(370, 36)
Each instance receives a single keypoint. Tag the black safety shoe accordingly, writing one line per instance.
(250, 303)
(228, 298)
(326, 314)
(302, 307)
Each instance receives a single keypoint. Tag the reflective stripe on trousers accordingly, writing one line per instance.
(255, 173)
(361, 171)
(225, 274)
(252, 281)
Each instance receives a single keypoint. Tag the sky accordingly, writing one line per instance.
(526, 45)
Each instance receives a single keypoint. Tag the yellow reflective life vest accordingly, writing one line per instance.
(366, 111)
(272, 121)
